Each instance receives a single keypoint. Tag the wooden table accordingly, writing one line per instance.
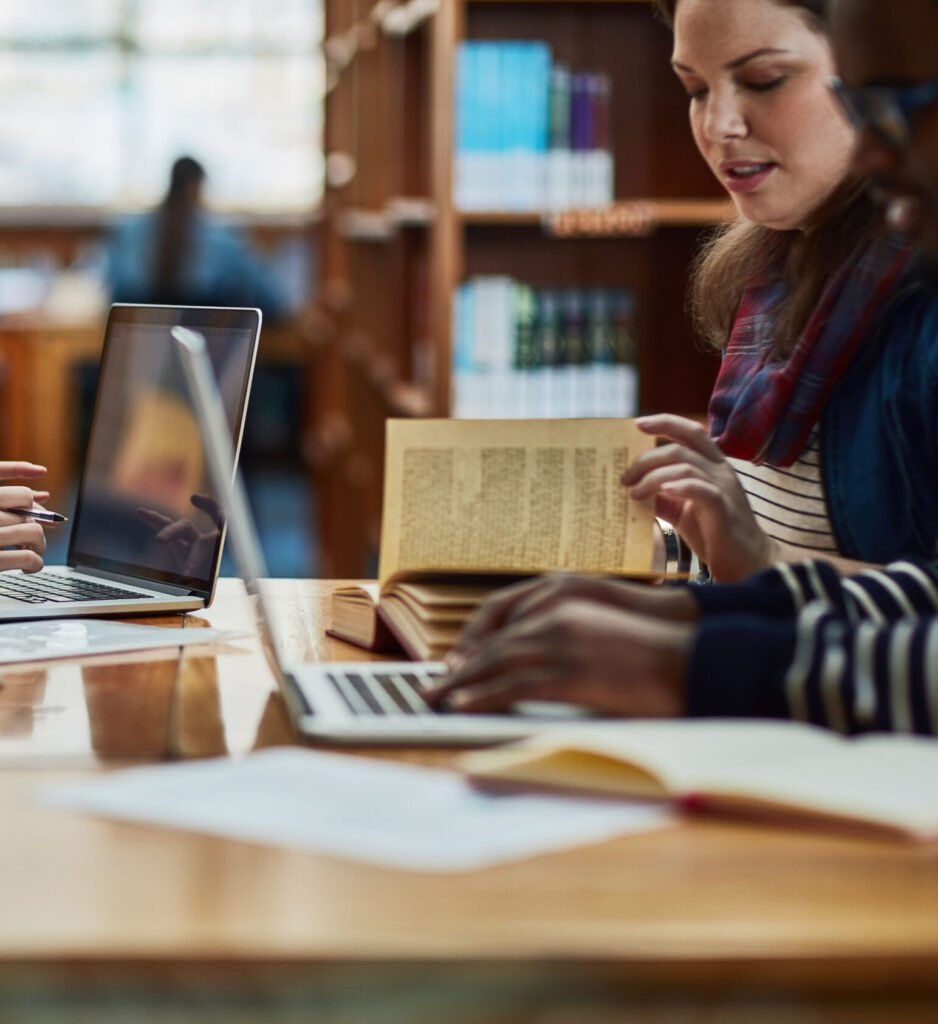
(709, 921)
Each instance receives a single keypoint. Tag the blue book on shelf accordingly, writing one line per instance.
(536, 106)
(468, 125)
(511, 126)
(464, 358)
(488, 72)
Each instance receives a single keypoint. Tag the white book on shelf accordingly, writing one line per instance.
(584, 396)
(626, 378)
(598, 178)
(559, 186)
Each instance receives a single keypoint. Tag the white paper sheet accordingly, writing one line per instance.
(363, 809)
(47, 639)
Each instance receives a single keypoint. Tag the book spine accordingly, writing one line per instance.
(463, 350)
(580, 134)
(463, 126)
(525, 352)
(558, 186)
(625, 352)
(512, 118)
(603, 158)
(537, 103)
(521, 352)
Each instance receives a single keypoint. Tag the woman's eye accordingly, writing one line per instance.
(696, 94)
(766, 86)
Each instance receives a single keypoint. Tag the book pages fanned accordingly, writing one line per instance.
(460, 497)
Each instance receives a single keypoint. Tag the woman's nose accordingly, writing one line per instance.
(725, 118)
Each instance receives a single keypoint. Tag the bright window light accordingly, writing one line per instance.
(100, 96)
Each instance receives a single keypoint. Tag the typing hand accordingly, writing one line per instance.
(547, 593)
(23, 541)
(698, 491)
(603, 658)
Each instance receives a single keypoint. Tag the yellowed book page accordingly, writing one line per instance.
(889, 781)
(518, 496)
(688, 756)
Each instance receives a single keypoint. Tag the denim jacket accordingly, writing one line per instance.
(879, 438)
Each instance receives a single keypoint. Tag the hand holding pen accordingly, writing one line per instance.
(40, 515)
(22, 539)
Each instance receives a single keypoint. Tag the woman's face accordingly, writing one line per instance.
(760, 109)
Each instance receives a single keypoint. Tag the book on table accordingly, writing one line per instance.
(749, 767)
(470, 505)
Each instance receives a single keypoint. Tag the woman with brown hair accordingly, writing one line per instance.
(822, 426)
(796, 641)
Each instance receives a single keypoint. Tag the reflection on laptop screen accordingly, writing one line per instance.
(147, 505)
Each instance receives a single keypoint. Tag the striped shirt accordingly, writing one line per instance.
(788, 502)
(854, 653)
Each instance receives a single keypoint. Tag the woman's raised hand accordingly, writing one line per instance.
(699, 493)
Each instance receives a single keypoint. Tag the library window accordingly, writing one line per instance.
(101, 95)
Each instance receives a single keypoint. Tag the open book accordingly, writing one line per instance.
(736, 765)
(472, 504)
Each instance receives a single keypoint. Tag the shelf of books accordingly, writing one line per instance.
(513, 201)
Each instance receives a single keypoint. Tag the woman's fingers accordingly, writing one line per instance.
(14, 497)
(682, 430)
(505, 655)
(672, 454)
(20, 470)
(23, 534)
(701, 492)
(25, 559)
(490, 617)
(652, 482)
(541, 683)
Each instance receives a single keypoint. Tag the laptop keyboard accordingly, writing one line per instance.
(384, 693)
(41, 588)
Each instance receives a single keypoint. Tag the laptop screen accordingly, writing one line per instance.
(146, 503)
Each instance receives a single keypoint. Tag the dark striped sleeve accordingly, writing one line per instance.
(901, 589)
(857, 654)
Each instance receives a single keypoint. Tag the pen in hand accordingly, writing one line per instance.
(39, 514)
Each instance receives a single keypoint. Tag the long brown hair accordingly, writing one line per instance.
(803, 260)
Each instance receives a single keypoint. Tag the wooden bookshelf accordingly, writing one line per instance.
(396, 248)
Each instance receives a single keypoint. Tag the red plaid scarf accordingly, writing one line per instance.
(764, 410)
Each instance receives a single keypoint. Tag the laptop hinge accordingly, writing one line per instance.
(169, 589)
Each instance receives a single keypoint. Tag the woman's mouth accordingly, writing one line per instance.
(742, 176)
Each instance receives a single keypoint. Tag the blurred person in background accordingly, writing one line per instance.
(179, 255)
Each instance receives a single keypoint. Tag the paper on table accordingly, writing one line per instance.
(47, 639)
(379, 812)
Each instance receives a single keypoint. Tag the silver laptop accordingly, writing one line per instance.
(146, 530)
(340, 702)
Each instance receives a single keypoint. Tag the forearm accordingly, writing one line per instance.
(821, 668)
(881, 594)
